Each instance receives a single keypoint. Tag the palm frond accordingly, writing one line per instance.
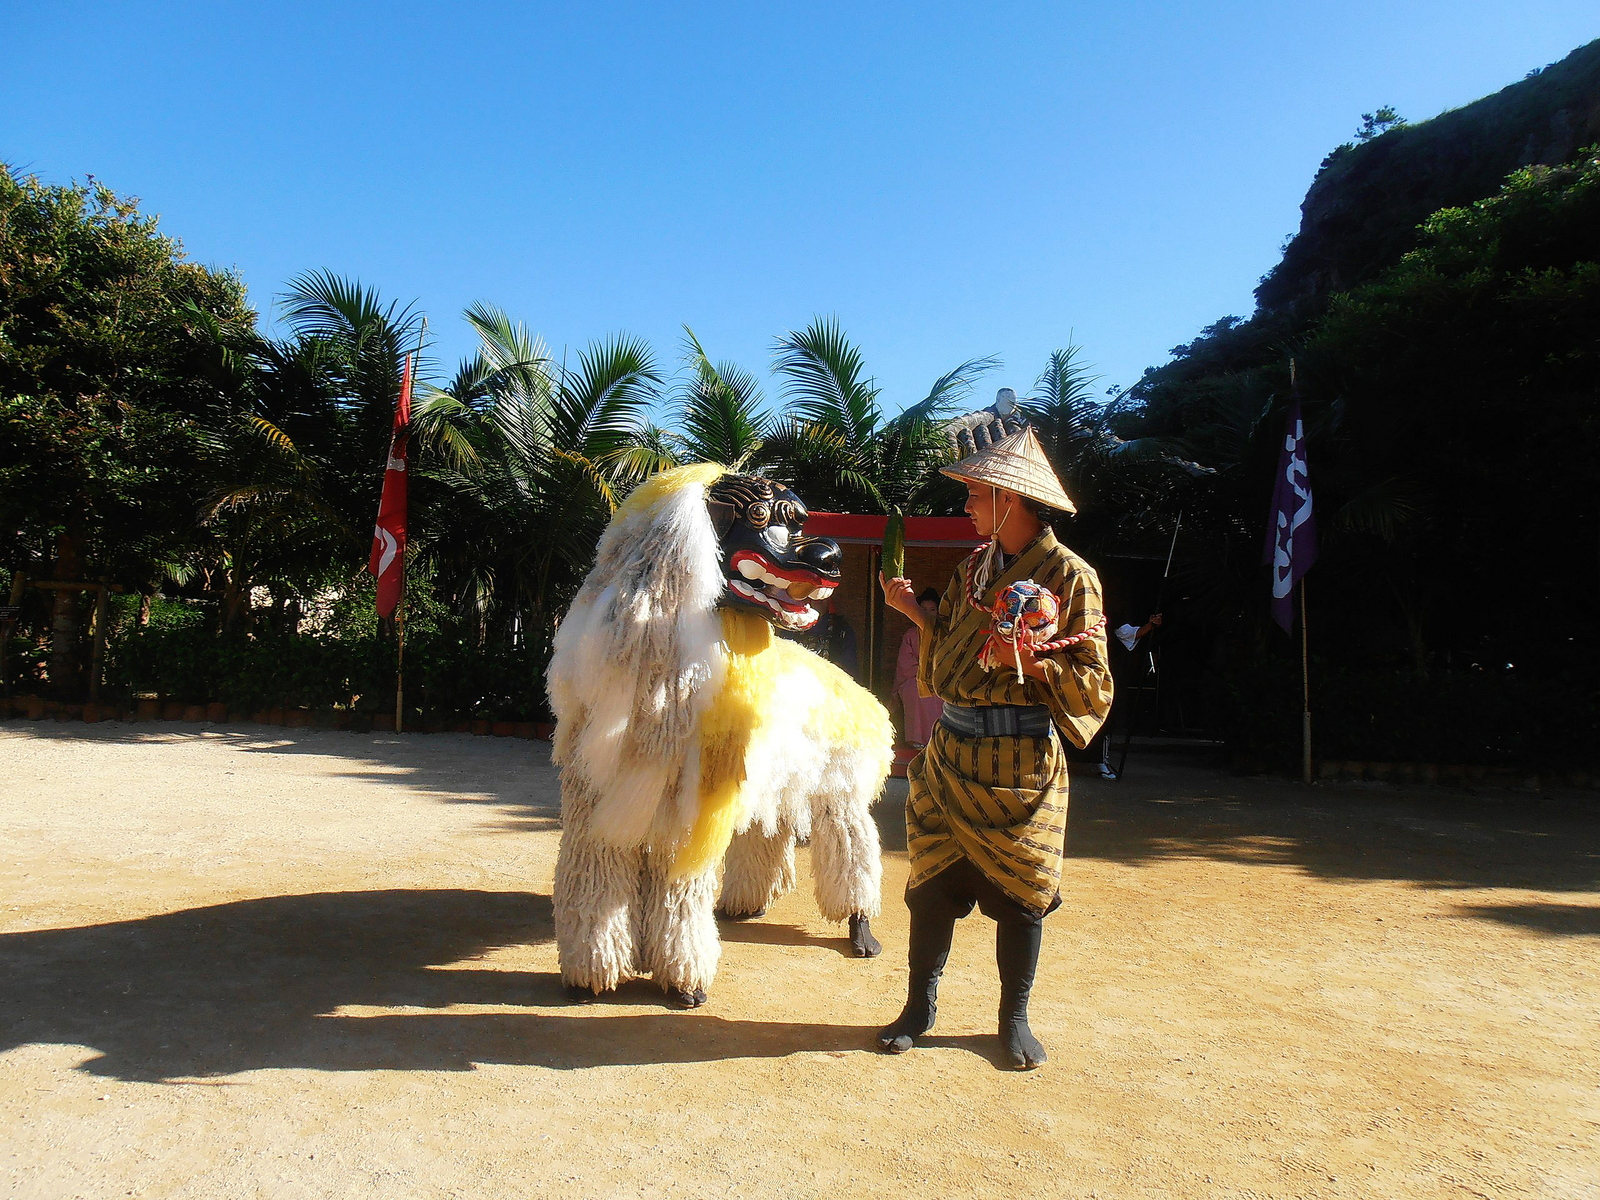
(1386, 510)
(1165, 451)
(448, 426)
(949, 390)
(511, 357)
(601, 403)
(823, 380)
(270, 433)
(593, 473)
(720, 410)
(632, 465)
(323, 304)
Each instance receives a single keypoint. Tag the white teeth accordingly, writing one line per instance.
(789, 620)
(757, 575)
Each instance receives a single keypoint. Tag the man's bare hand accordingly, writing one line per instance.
(899, 595)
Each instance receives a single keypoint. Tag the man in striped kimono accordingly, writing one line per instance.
(986, 818)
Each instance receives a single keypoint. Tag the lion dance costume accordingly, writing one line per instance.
(687, 733)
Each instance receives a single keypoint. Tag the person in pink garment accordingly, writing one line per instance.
(921, 712)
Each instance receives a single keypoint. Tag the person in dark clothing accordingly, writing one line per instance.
(833, 638)
(1128, 636)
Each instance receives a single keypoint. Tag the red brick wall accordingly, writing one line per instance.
(861, 602)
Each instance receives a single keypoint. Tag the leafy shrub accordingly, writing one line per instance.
(448, 676)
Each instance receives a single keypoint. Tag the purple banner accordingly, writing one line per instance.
(1292, 527)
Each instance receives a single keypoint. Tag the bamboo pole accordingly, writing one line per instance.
(1305, 682)
(97, 654)
(400, 647)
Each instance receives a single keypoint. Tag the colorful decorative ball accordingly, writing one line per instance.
(1024, 613)
(1027, 613)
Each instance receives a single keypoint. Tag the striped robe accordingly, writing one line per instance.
(1002, 801)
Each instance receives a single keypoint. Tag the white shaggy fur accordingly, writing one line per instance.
(637, 661)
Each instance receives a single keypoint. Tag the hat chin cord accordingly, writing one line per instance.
(987, 569)
(991, 556)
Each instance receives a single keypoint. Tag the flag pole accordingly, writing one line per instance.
(400, 656)
(1305, 689)
(400, 602)
(1154, 673)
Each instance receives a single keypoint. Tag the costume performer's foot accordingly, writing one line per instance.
(579, 994)
(1023, 1051)
(862, 943)
(724, 915)
(914, 1021)
(684, 998)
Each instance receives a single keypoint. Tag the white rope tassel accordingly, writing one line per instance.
(988, 565)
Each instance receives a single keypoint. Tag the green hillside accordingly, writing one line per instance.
(1442, 306)
(1362, 210)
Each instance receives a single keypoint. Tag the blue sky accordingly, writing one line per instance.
(949, 180)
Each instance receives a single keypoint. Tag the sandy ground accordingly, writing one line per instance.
(250, 962)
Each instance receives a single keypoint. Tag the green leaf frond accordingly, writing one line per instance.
(630, 466)
(822, 373)
(1387, 510)
(721, 410)
(509, 357)
(323, 304)
(594, 475)
(601, 403)
(448, 427)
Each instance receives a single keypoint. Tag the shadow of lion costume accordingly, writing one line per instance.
(686, 731)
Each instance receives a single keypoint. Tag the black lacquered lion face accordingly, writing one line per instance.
(770, 566)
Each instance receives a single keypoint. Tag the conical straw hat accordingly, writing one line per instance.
(1015, 463)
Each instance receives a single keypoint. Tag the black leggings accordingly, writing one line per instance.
(956, 890)
(937, 904)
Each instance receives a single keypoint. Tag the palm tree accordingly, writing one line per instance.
(295, 468)
(527, 462)
(837, 444)
(1067, 414)
(721, 413)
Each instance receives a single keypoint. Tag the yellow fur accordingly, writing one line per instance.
(757, 665)
(745, 698)
(666, 483)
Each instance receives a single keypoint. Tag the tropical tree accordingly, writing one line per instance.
(721, 413)
(107, 372)
(1068, 414)
(295, 466)
(526, 462)
(837, 444)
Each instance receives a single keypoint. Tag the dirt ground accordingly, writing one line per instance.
(251, 962)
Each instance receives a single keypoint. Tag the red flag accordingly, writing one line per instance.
(388, 561)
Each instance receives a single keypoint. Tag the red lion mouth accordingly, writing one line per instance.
(783, 589)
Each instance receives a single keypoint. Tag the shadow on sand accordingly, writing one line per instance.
(255, 984)
(1434, 838)
(1567, 920)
